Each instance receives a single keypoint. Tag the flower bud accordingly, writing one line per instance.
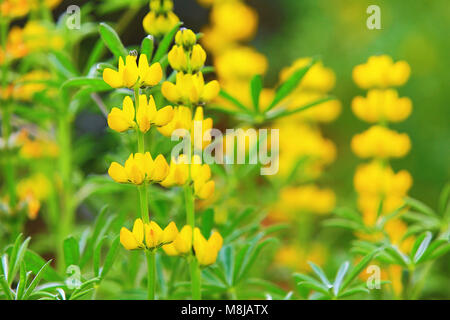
(185, 38)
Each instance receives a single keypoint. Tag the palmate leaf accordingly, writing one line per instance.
(36, 280)
(359, 268)
(420, 206)
(339, 277)
(319, 272)
(112, 40)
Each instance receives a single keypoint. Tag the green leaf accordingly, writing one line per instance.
(207, 222)
(340, 276)
(165, 43)
(358, 268)
(63, 64)
(36, 280)
(71, 251)
(399, 257)
(97, 256)
(439, 252)
(352, 292)
(21, 285)
(147, 47)
(289, 85)
(233, 100)
(444, 201)
(276, 114)
(35, 262)
(6, 289)
(255, 90)
(313, 286)
(319, 272)
(112, 41)
(423, 246)
(342, 223)
(17, 257)
(111, 256)
(420, 206)
(94, 83)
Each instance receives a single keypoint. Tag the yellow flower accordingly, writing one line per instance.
(200, 142)
(140, 168)
(26, 86)
(182, 244)
(198, 58)
(185, 38)
(32, 191)
(382, 105)
(206, 251)
(308, 198)
(159, 24)
(381, 71)
(324, 112)
(146, 115)
(200, 174)
(376, 179)
(14, 8)
(190, 89)
(130, 73)
(239, 63)
(178, 59)
(148, 236)
(380, 142)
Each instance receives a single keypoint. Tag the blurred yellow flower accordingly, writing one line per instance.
(147, 236)
(381, 72)
(32, 191)
(130, 73)
(382, 105)
(140, 168)
(161, 19)
(325, 112)
(309, 198)
(296, 257)
(380, 142)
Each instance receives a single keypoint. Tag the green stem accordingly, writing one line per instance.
(151, 270)
(144, 202)
(193, 262)
(65, 167)
(196, 285)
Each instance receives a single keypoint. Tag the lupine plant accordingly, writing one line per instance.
(159, 203)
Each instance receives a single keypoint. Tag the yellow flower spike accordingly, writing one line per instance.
(148, 235)
(164, 116)
(117, 173)
(185, 38)
(149, 75)
(122, 120)
(198, 57)
(160, 169)
(178, 59)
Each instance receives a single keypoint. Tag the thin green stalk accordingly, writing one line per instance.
(193, 263)
(143, 202)
(151, 270)
(65, 167)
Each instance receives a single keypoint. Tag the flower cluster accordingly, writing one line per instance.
(161, 19)
(181, 172)
(147, 236)
(185, 242)
(131, 73)
(121, 120)
(140, 168)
